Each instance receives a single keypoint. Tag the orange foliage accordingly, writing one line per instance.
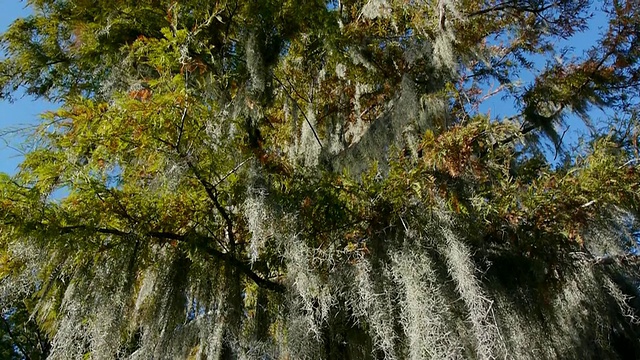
(140, 95)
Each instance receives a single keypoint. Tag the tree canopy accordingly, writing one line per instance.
(316, 180)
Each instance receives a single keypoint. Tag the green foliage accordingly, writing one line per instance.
(281, 179)
(20, 338)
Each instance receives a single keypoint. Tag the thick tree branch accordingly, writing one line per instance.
(225, 257)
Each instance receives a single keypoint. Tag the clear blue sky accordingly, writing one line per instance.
(22, 112)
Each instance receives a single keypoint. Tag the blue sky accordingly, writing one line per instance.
(23, 111)
(578, 45)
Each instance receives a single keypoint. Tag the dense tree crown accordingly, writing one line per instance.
(315, 180)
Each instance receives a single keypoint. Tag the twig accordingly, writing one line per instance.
(635, 160)
(315, 134)
(230, 172)
(559, 143)
(589, 203)
(184, 116)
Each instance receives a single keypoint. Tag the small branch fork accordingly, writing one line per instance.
(213, 195)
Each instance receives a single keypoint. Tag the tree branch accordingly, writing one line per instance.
(213, 195)
(225, 257)
(13, 338)
(606, 259)
(512, 5)
(230, 172)
(315, 134)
